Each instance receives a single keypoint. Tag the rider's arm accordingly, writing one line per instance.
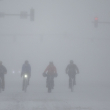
(55, 70)
(29, 70)
(5, 70)
(77, 69)
(46, 70)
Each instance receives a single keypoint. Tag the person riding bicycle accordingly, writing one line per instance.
(3, 71)
(72, 70)
(50, 70)
(26, 69)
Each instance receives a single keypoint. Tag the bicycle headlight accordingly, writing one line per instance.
(25, 75)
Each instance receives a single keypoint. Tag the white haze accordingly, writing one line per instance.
(62, 30)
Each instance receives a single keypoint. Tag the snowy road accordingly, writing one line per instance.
(83, 98)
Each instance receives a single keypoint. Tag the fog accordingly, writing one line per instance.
(61, 31)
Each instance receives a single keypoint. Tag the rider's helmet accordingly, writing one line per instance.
(71, 61)
(0, 62)
(51, 63)
(26, 62)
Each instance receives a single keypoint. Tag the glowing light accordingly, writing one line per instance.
(25, 76)
(96, 18)
(13, 72)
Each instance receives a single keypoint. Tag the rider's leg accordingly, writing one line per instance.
(3, 82)
(46, 83)
(70, 80)
(28, 80)
(23, 85)
(74, 82)
(52, 83)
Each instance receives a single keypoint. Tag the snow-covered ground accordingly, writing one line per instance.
(84, 97)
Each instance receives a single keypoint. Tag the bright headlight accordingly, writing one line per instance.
(25, 76)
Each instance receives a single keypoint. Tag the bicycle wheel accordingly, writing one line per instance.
(25, 85)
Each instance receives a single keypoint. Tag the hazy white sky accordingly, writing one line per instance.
(55, 16)
(62, 30)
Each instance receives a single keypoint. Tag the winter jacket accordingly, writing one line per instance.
(72, 69)
(3, 70)
(26, 68)
(51, 69)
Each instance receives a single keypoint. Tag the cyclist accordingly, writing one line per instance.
(26, 68)
(72, 70)
(3, 71)
(50, 70)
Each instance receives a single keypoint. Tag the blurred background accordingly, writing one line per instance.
(60, 31)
